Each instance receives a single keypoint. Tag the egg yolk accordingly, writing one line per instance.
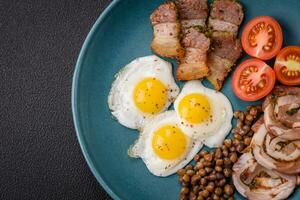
(150, 95)
(169, 142)
(194, 108)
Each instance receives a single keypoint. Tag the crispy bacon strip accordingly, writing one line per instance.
(192, 13)
(224, 21)
(194, 64)
(226, 15)
(166, 28)
(226, 49)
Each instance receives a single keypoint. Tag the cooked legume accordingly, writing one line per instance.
(210, 177)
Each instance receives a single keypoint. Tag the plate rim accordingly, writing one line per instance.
(74, 99)
(79, 133)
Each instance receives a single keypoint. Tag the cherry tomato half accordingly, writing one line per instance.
(262, 37)
(287, 65)
(252, 80)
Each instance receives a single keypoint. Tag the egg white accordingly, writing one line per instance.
(120, 98)
(212, 132)
(143, 147)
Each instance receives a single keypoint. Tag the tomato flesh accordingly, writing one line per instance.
(262, 37)
(252, 80)
(287, 65)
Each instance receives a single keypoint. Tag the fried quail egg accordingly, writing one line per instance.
(142, 89)
(163, 146)
(204, 113)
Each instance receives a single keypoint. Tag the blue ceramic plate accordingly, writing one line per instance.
(121, 34)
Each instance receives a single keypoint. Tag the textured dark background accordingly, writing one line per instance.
(40, 157)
